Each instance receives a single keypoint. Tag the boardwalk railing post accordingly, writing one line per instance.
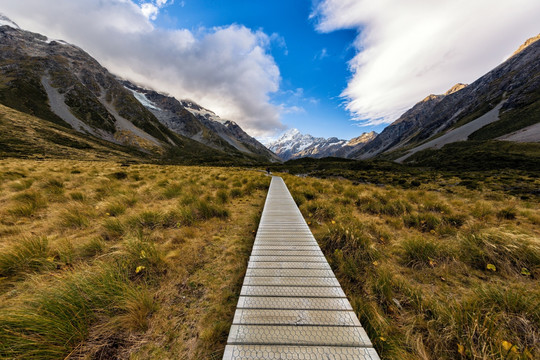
(291, 305)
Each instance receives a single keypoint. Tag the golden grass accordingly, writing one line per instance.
(100, 260)
(433, 273)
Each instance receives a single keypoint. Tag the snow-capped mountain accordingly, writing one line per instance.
(293, 145)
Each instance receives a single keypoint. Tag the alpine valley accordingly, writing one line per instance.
(503, 105)
(74, 102)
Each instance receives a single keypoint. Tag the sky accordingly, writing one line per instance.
(327, 67)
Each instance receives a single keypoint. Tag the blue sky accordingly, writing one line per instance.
(313, 65)
(322, 66)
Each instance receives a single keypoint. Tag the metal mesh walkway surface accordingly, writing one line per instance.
(291, 305)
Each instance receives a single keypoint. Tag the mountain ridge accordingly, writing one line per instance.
(61, 83)
(517, 80)
(293, 145)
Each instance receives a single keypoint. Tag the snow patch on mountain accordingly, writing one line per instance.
(5, 21)
(143, 99)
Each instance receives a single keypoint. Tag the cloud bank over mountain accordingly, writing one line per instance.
(227, 69)
(409, 49)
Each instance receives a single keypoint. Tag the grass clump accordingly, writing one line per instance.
(114, 208)
(438, 271)
(22, 184)
(419, 252)
(508, 252)
(77, 196)
(173, 191)
(508, 213)
(27, 204)
(424, 222)
(147, 219)
(51, 323)
(53, 186)
(125, 264)
(321, 211)
(74, 218)
(113, 229)
(25, 256)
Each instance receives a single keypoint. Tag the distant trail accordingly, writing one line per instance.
(291, 305)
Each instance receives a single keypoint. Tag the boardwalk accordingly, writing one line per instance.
(291, 305)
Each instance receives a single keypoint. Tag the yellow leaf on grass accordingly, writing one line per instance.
(508, 346)
(525, 271)
(382, 338)
(375, 263)
(143, 254)
(333, 222)
(461, 349)
(139, 269)
(491, 267)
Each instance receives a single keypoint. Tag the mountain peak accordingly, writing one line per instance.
(456, 88)
(293, 145)
(527, 43)
(363, 139)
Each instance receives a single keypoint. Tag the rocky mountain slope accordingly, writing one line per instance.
(189, 119)
(61, 83)
(515, 85)
(293, 145)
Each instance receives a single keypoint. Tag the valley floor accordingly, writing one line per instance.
(100, 260)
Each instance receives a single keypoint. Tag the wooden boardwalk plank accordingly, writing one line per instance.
(291, 305)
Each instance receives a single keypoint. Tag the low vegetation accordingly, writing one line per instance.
(109, 260)
(100, 261)
(437, 270)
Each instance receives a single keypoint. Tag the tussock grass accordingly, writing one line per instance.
(27, 204)
(25, 256)
(101, 260)
(435, 270)
(74, 217)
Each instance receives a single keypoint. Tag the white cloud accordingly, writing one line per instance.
(227, 69)
(409, 49)
(150, 11)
